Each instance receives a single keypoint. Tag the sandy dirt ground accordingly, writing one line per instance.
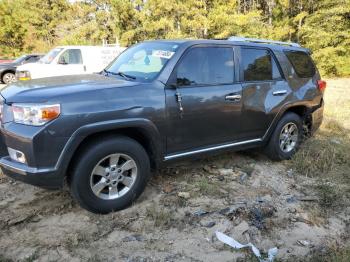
(244, 195)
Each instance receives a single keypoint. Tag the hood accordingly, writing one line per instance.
(7, 65)
(29, 66)
(45, 89)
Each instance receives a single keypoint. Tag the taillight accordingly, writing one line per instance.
(321, 85)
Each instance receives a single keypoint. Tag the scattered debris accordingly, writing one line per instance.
(291, 199)
(209, 224)
(200, 213)
(243, 177)
(304, 243)
(184, 195)
(259, 213)
(221, 178)
(308, 198)
(290, 173)
(135, 237)
(168, 188)
(21, 219)
(210, 169)
(233, 243)
(226, 171)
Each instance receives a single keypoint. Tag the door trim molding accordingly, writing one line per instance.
(212, 148)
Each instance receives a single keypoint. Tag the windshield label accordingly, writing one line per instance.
(163, 54)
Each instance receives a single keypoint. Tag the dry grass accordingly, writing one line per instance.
(327, 154)
(329, 149)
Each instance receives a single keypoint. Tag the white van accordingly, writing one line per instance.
(70, 60)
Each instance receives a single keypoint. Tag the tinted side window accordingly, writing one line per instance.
(259, 65)
(71, 56)
(206, 66)
(302, 63)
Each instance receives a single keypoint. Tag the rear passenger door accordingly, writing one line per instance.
(264, 90)
(209, 110)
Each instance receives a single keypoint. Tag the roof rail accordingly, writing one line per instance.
(266, 41)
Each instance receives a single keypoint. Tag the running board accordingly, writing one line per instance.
(208, 149)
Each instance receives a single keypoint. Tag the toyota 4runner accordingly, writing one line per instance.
(159, 101)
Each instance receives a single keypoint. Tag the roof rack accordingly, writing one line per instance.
(266, 41)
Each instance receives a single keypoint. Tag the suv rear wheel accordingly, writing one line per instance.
(110, 175)
(286, 137)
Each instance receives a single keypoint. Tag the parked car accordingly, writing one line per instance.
(8, 70)
(6, 61)
(70, 60)
(158, 102)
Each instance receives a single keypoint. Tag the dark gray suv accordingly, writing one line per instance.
(159, 101)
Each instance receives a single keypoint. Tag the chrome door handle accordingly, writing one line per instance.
(233, 97)
(279, 92)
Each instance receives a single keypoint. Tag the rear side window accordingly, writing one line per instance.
(302, 63)
(206, 66)
(259, 65)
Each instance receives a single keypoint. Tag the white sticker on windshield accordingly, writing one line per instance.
(163, 54)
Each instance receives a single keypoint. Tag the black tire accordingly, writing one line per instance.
(273, 148)
(81, 188)
(8, 77)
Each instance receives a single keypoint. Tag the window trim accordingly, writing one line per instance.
(173, 76)
(273, 56)
(308, 55)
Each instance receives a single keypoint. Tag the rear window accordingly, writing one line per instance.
(302, 63)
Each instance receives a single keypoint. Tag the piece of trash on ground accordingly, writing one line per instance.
(233, 243)
(200, 213)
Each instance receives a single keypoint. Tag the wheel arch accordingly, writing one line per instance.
(141, 130)
(301, 109)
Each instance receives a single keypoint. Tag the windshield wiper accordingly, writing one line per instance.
(128, 77)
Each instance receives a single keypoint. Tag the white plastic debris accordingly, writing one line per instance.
(233, 243)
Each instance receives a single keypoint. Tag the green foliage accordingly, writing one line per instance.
(37, 25)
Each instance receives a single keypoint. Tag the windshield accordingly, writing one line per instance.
(47, 59)
(20, 59)
(144, 61)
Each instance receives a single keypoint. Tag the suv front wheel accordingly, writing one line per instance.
(110, 175)
(286, 138)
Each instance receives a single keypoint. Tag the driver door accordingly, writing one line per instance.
(204, 106)
(70, 62)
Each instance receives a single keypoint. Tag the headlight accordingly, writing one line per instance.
(35, 115)
(23, 75)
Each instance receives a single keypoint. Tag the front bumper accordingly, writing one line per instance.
(45, 178)
(41, 149)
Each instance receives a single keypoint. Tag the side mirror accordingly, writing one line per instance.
(172, 85)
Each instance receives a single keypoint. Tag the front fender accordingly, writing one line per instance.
(148, 128)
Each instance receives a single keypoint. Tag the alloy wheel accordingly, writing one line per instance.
(113, 176)
(289, 137)
(9, 78)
